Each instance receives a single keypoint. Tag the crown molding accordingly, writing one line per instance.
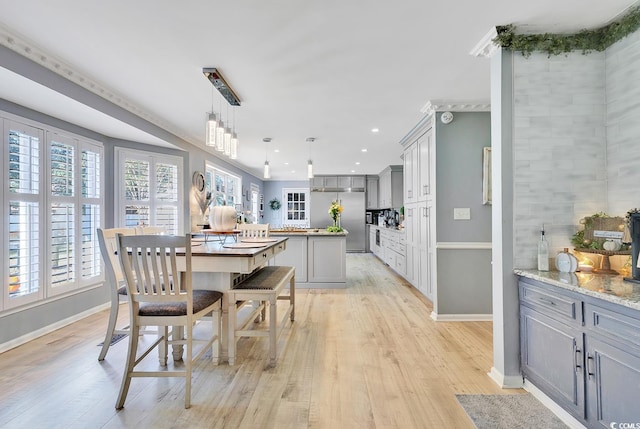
(17, 43)
(433, 106)
(486, 47)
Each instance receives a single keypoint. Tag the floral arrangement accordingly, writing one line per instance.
(334, 211)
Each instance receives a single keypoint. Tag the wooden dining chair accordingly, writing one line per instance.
(253, 230)
(160, 291)
(114, 281)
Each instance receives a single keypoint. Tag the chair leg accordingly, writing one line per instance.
(273, 321)
(188, 364)
(232, 321)
(131, 361)
(292, 297)
(163, 331)
(111, 327)
(216, 346)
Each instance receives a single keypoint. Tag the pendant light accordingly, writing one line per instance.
(234, 138)
(212, 125)
(220, 132)
(267, 173)
(227, 136)
(310, 163)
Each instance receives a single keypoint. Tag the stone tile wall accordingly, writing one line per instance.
(559, 148)
(623, 124)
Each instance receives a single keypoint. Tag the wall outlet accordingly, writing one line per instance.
(462, 213)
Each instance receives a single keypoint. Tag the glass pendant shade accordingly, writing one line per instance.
(234, 146)
(267, 173)
(227, 141)
(212, 125)
(310, 169)
(220, 137)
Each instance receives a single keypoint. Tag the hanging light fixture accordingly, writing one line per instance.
(267, 173)
(212, 125)
(234, 138)
(310, 163)
(217, 135)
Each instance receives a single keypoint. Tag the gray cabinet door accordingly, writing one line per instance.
(613, 376)
(552, 357)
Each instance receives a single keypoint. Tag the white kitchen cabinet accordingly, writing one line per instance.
(392, 249)
(419, 211)
(372, 192)
(390, 187)
(425, 152)
(410, 173)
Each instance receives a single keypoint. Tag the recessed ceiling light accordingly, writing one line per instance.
(286, 163)
(364, 150)
(353, 171)
(357, 162)
(374, 130)
(293, 171)
(276, 150)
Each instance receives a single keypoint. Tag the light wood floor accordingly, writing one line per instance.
(367, 356)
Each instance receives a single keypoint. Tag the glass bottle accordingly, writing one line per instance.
(543, 252)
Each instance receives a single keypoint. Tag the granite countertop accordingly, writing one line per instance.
(304, 232)
(607, 287)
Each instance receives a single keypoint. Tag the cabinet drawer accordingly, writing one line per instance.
(551, 302)
(625, 329)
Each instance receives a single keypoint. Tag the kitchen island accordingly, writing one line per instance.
(318, 256)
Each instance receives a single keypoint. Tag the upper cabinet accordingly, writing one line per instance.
(335, 183)
(418, 169)
(390, 187)
(372, 192)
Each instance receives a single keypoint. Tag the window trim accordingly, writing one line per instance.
(212, 168)
(43, 198)
(297, 223)
(122, 153)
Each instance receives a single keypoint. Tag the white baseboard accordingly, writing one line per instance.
(566, 418)
(461, 317)
(505, 382)
(50, 328)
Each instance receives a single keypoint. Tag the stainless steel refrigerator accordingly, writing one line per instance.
(352, 218)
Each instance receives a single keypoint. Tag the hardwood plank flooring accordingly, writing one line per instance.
(368, 356)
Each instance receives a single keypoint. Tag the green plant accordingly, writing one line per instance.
(556, 44)
(332, 228)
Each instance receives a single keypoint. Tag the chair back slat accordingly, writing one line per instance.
(150, 265)
(254, 230)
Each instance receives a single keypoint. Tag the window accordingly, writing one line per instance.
(147, 192)
(52, 200)
(255, 203)
(296, 203)
(225, 187)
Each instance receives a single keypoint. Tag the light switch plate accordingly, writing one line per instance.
(462, 213)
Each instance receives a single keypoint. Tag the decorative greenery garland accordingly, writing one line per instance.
(274, 204)
(556, 44)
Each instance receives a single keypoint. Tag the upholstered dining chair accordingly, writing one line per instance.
(253, 230)
(115, 282)
(160, 292)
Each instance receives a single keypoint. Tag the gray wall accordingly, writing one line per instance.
(464, 275)
(459, 146)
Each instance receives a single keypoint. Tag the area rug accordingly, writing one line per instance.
(509, 412)
(114, 339)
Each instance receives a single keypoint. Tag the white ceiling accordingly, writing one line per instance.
(332, 70)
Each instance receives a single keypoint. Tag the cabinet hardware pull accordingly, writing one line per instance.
(425, 189)
(576, 360)
(264, 255)
(547, 301)
(589, 360)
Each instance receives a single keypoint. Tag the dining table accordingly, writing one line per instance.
(221, 266)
